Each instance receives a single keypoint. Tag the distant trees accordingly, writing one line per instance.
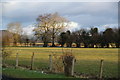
(94, 37)
(62, 39)
(24, 40)
(108, 36)
(16, 30)
(70, 39)
(32, 41)
(6, 37)
(81, 36)
(12, 34)
(91, 38)
(86, 38)
(57, 24)
(77, 38)
(42, 30)
(66, 37)
(48, 26)
(117, 37)
(48, 30)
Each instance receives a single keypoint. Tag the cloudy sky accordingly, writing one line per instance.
(81, 14)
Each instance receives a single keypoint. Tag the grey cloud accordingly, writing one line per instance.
(84, 13)
(61, 0)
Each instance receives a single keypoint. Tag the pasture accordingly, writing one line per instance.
(87, 59)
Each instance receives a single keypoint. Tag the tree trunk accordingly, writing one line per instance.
(62, 45)
(45, 44)
(102, 45)
(85, 46)
(92, 45)
(78, 45)
(53, 40)
(15, 43)
(67, 44)
(107, 45)
(70, 44)
(117, 45)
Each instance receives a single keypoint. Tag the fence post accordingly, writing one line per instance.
(32, 61)
(16, 60)
(50, 62)
(101, 69)
(73, 63)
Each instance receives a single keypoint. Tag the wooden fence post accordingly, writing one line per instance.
(73, 63)
(101, 69)
(16, 60)
(50, 62)
(32, 61)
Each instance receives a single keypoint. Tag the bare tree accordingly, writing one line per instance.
(42, 29)
(48, 26)
(16, 29)
(57, 24)
(6, 37)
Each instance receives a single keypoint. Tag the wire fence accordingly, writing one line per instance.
(44, 62)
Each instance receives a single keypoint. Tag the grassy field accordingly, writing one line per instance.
(22, 73)
(87, 59)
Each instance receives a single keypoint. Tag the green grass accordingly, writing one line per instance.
(22, 73)
(87, 59)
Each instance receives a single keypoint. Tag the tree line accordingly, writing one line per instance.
(91, 38)
(51, 28)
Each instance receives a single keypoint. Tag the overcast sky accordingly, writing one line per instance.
(80, 14)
